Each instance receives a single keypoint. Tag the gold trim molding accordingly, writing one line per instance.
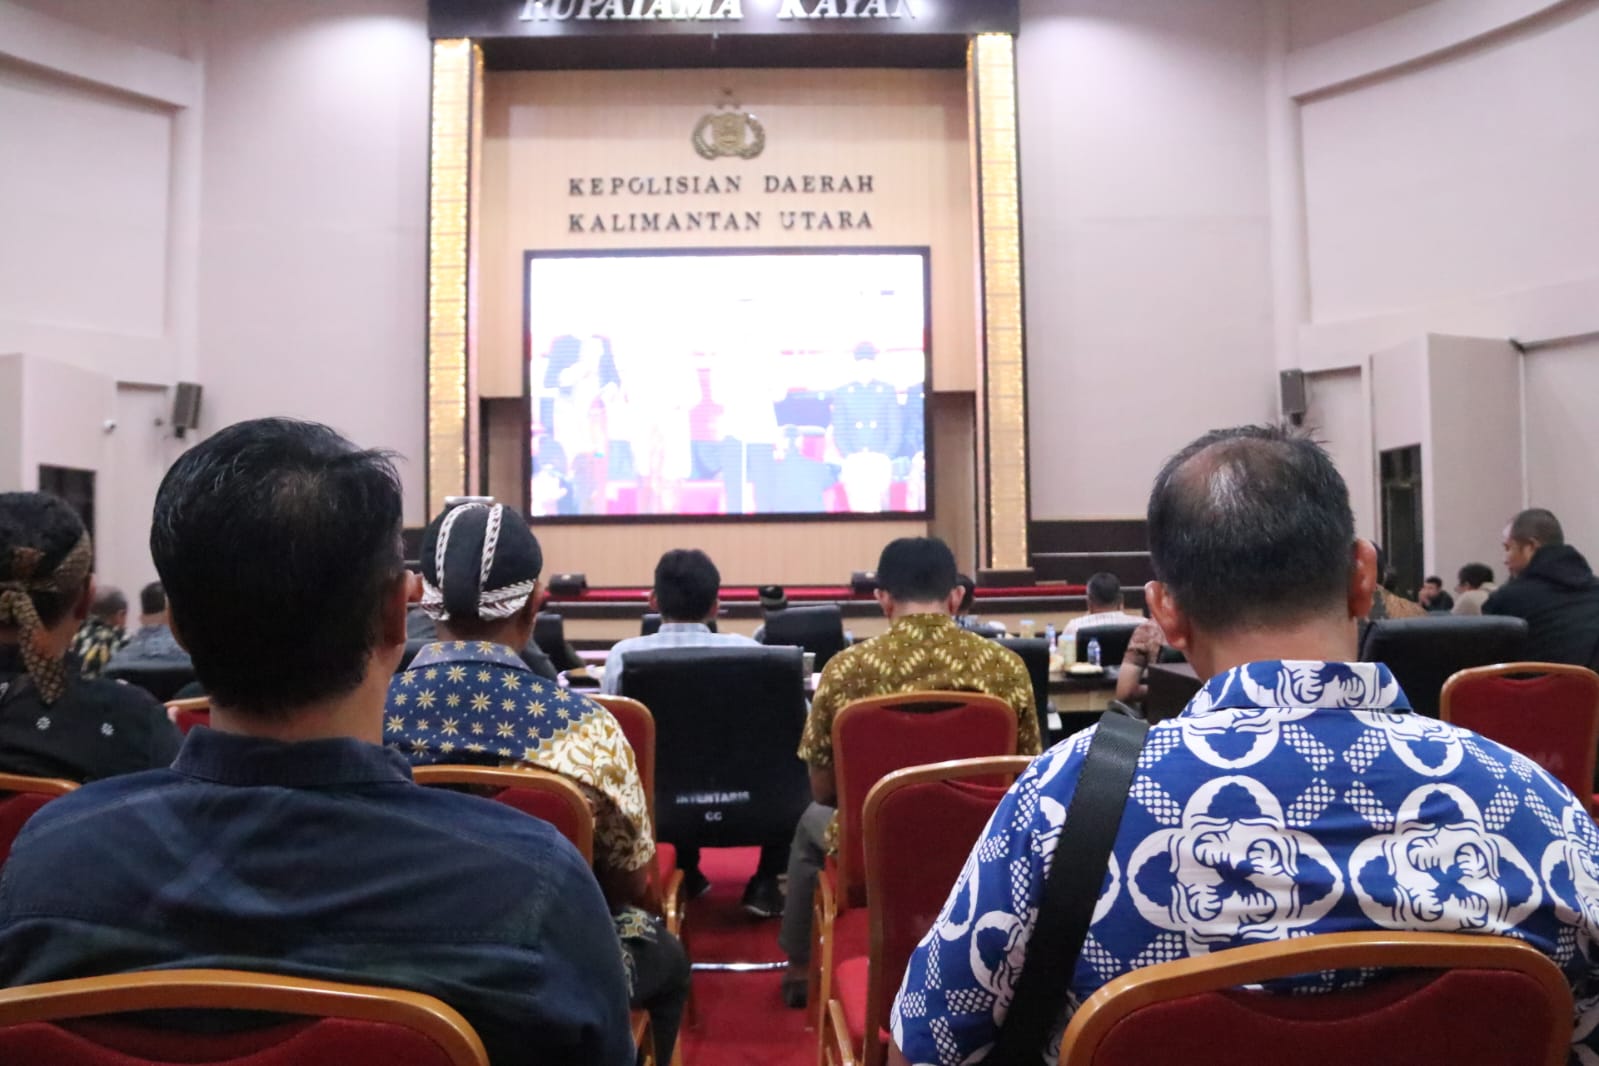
(454, 147)
(1002, 411)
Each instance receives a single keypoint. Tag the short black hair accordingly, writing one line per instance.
(1537, 525)
(1476, 575)
(1434, 580)
(152, 598)
(1104, 589)
(49, 525)
(686, 585)
(917, 569)
(108, 602)
(276, 541)
(1251, 527)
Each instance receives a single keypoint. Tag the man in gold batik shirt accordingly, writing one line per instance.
(923, 650)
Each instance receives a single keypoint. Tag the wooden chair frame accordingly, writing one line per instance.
(44, 786)
(497, 778)
(834, 1041)
(190, 703)
(831, 899)
(1255, 963)
(245, 990)
(1589, 750)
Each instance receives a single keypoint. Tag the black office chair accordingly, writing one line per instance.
(652, 624)
(1425, 652)
(1035, 656)
(549, 634)
(1113, 641)
(162, 682)
(727, 723)
(819, 630)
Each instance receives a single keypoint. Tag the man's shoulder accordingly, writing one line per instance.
(116, 697)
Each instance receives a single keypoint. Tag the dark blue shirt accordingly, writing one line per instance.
(323, 859)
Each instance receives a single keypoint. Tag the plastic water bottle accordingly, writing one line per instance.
(1093, 651)
(1049, 636)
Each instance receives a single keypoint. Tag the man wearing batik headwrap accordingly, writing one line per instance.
(54, 722)
(470, 698)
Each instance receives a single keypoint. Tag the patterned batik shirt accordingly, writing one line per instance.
(919, 653)
(94, 643)
(1288, 798)
(477, 702)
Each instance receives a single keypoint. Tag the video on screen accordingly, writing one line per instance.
(758, 383)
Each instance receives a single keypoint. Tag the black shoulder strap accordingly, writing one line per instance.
(1070, 894)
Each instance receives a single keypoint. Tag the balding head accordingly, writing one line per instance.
(1249, 529)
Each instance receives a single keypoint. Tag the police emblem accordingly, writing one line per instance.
(729, 133)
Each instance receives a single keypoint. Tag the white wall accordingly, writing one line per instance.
(314, 246)
(1562, 381)
(1145, 210)
(1474, 477)
(1337, 417)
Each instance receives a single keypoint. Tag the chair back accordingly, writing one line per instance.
(1547, 711)
(1481, 1000)
(412, 646)
(727, 725)
(908, 877)
(162, 682)
(873, 737)
(1113, 641)
(186, 714)
(355, 1025)
(1034, 653)
(1425, 652)
(818, 629)
(650, 625)
(20, 799)
(540, 793)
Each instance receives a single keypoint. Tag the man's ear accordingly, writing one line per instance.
(1362, 579)
(538, 597)
(413, 587)
(655, 604)
(1168, 615)
(396, 602)
(952, 602)
(885, 601)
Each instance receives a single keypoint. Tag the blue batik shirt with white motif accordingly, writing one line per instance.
(1288, 798)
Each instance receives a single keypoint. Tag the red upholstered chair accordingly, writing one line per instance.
(1459, 999)
(638, 725)
(188, 713)
(872, 738)
(1549, 712)
(537, 792)
(20, 798)
(919, 826)
(64, 1022)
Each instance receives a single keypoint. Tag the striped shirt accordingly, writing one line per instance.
(671, 635)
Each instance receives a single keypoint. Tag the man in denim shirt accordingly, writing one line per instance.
(286, 838)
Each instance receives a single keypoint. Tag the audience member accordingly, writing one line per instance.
(966, 614)
(470, 698)
(1432, 597)
(1105, 603)
(102, 633)
(1553, 588)
(1476, 584)
(1385, 602)
(923, 650)
(1296, 794)
(153, 645)
(53, 721)
(1142, 649)
(286, 838)
(687, 593)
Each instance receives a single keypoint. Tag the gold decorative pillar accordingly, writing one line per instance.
(1002, 404)
(455, 151)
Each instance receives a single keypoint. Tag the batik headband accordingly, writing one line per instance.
(462, 584)
(49, 673)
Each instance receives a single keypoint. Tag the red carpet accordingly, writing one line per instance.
(740, 1017)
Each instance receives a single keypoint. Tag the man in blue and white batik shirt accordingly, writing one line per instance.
(1297, 793)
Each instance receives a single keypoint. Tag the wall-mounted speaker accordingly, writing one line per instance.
(185, 408)
(1291, 392)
